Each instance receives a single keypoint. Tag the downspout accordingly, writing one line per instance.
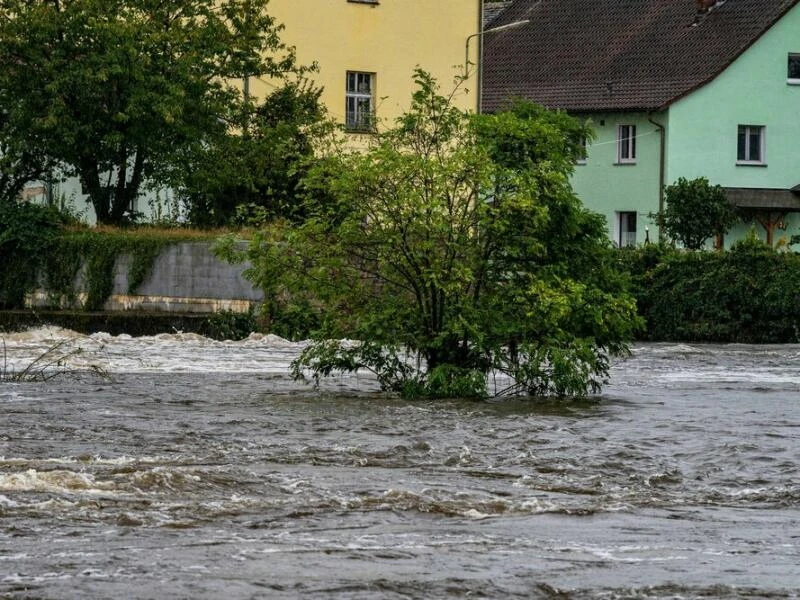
(479, 84)
(662, 167)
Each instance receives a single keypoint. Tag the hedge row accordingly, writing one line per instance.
(750, 294)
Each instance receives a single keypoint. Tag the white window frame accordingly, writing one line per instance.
(626, 239)
(792, 80)
(762, 145)
(358, 119)
(626, 133)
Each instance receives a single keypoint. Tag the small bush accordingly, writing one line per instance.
(27, 233)
(229, 325)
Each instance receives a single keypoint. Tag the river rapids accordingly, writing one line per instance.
(179, 467)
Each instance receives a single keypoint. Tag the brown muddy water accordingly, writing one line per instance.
(198, 469)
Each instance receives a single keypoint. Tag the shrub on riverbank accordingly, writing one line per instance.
(750, 294)
(27, 233)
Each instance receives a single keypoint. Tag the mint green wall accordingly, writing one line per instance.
(702, 135)
(607, 187)
(153, 205)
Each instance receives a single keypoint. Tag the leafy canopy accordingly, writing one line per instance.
(695, 211)
(118, 92)
(454, 248)
(254, 174)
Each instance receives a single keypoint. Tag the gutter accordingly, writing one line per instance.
(662, 166)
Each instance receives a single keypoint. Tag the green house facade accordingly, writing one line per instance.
(685, 88)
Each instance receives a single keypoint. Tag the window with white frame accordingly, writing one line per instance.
(750, 147)
(793, 68)
(626, 144)
(626, 229)
(360, 101)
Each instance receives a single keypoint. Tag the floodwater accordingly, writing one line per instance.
(198, 469)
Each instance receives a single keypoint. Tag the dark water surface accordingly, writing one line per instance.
(199, 470)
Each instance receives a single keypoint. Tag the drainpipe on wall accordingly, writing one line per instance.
(662, 160)
(479, 85)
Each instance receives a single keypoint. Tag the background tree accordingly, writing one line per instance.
(21, 160)
(256, 170)
(117, 91)
(694, 211)
(448, 260)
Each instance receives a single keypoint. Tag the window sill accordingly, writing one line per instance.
(359, 131)
(750, 163)
(793, 82)
(373, 2)
(580, 162)
(625, 163)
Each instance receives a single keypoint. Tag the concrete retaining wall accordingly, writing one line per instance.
(185, 278)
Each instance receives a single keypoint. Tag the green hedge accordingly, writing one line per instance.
(27, 235)
(750, 294)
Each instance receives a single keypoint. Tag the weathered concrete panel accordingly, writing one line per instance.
(185, 278)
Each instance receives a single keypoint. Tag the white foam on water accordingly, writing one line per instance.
(57, 481)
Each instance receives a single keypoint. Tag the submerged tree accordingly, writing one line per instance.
(117, 91)
(455, 248)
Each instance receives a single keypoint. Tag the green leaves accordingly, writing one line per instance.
(695, 211)
(746, 295)
(120, 93)
(27, 231)
(260, 163)
(452, 248)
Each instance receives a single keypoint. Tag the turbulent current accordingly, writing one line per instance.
(199, 469)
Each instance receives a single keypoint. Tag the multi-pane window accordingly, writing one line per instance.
(360, 101)
(626, 144)
(626, 229)
(793, 68)
(750, 144)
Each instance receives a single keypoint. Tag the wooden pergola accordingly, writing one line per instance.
(768, 207)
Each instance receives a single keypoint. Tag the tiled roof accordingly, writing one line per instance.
(614, 55)
(492, 10)
(764, 199)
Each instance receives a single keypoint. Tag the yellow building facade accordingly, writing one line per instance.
(367, 50)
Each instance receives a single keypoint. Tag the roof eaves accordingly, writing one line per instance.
(733, 59)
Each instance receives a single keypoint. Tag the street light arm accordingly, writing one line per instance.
(484, 32)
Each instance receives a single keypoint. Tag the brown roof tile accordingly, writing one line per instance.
(492, 10)
(774, 199)
(614, 55)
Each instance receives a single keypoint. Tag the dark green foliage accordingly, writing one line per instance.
(750, 294)
(98, 252)
(295, 319)
(254, 174)
(27, 235)
(274, 268)
(452, 248)
(695, 211)
(120, 93)
(228, 325)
